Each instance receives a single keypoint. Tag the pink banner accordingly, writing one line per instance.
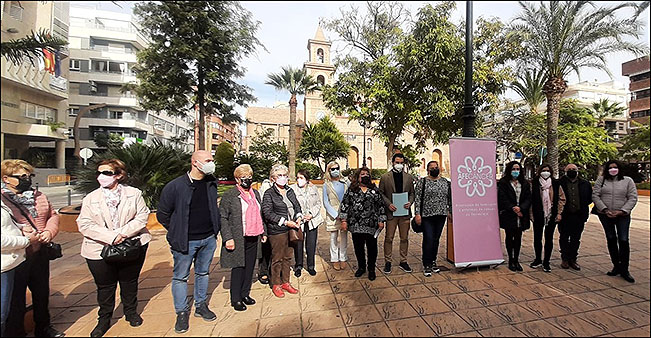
(476, 230)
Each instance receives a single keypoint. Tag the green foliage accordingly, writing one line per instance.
(149, 168)
(55, 125)
(604, 109)
(530, 88)
(323, 142)
(39, 158)
(644, 185)
(108, 140)
(347, 172)
(295, 81)
(194, 58)
(636, 145)
(377, 173)
(225, 161)
(313, 169)
(264, 152)
(31, 46)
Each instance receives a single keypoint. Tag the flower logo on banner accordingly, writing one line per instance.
(474, 176)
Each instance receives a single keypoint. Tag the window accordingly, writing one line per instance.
(73, 111)
(169, 127)
(640, 77)
(369, 144)
(641, 94)
(99, 66)
(37, 112)
(320, 80)
(75, 64)
(320, 56)
(641, 113)
(116, 114)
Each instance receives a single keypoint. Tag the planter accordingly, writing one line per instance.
(68, 219)
(643, 192)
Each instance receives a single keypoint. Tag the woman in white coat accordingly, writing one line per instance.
(308, 196)
(334, 188)
(14, 243)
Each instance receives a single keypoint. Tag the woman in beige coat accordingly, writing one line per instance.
(109, 215)
(334, 188)
(308, 196)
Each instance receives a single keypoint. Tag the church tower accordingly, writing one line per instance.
(319, 65)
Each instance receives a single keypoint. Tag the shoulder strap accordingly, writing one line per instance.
(22, 213)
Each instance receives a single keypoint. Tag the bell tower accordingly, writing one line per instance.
(319, 66)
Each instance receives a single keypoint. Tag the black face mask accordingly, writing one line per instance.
(572, 174)
(435, 172)
(24, 185)
(366, 180)
(246, 183)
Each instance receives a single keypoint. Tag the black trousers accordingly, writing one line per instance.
(107, 276)
(549, 229)
(309, 242)
(432, 230)
(361, 240)
(264, 264)
(513, 242)
(570, 229)
(34, 274)
(241, 277)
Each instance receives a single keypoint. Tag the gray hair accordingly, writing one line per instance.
(277, 168)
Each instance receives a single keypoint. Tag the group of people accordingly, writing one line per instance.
(281, 222)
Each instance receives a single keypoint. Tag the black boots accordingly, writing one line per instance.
(624, 256)
(613, 250)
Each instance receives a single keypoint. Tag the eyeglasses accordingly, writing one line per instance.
(23, 176)
(333, 169)
(105, 172)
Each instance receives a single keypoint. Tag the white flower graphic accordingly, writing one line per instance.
(475, 176)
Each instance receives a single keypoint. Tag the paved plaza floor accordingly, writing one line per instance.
(484, 302)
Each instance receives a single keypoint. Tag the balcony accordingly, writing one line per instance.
(30, 76)
(130, 34)
(134, 124)
(123, 101)
(104, 77)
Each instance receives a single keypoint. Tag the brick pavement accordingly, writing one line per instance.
(484, 302)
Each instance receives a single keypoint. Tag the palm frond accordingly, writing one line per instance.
(31, 46)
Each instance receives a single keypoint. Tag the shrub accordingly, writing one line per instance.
(224, 161)
(313, 169)
(644, 185)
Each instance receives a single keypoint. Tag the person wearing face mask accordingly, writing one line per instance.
(513, 203)
(397, 181)
(578, 194)
(33, 209)
(280, 212)
(188, 210)
(362, 212)
(308, 196)
(334, 188)
(547, 203)
(614, 196)
(242, 229)
(109, 215)
(436, 207)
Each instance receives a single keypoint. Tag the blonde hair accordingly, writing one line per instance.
(243, 170)
(10, 167)
(330, 165)
(276, 168)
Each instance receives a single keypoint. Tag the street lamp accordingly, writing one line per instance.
(363, 123)
(468, 107)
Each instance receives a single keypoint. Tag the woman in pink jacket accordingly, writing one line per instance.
(109, 215)
(32, 209)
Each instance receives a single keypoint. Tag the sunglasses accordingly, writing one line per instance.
(105, 172)
(333, 169)
(23, 176)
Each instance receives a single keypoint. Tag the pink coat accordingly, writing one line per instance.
(95, 223)
(46, 219)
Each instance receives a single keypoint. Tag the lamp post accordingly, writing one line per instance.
(468, 107)
(364, 140)
(358, 107)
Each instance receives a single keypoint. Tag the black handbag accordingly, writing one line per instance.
(418, 228)
(127, 251)
(52, 250)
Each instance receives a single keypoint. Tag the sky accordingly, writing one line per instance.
(286, 26)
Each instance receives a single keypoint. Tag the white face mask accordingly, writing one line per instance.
(398, 167)
(545, 174)
(282, 180)
(207, 168)
(301, 182)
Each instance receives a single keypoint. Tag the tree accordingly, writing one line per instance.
(108, 140)
(296, 82)
(323, 142)
(604, 109)
(530, 88)
(636, 145)
(264, 152)
(32, 46)
(194, 58)
(563, 37)
(224, 161)
(75, 129)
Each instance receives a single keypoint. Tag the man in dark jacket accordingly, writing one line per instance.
(188, 210)
(578, 194)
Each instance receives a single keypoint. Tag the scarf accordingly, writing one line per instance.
(545, 185)
(253, 218)
(112, 198)
(26, 199)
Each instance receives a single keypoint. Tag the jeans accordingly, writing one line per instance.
(310, 237)
(538, 229)
(7, 287)
(570, 229)
(241, 277)
(361, 240)
(432, 230)
(33, 273)
(107, 277)
(617, 230)
(401, 223)
(201, 253)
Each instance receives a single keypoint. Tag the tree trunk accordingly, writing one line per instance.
(75, 129)
(292, 137)
(553, 89)
(389, 145)
(201, 128)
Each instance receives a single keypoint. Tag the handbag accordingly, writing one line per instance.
(127, 251)
(418, 228)
(52, 250)
(295, 234)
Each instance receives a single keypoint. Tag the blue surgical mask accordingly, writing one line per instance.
(515, 173)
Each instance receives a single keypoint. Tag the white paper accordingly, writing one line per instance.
(399, 201)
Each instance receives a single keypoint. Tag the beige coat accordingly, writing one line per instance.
(310, 200)
(95, 224)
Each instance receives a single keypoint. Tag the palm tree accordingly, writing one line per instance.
(31, 46)
(604, 108)
(530, 88)
(563, 37)
(296, 82)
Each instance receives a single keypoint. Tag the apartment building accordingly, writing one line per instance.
(103, 47)
(637, 71)
(217, 132)
(34, 99)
